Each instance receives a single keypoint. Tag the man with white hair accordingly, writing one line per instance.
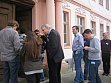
(54, 53)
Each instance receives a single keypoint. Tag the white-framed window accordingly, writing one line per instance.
(101, 2)
(108, 31)
(101, 31)
(66, 28)
(107, 4)
(81, 23)
(93, 27)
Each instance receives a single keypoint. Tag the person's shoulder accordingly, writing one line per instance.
(95, 38)
(79, 35)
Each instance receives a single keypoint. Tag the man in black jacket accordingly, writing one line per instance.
(106, 48)
(54, 53)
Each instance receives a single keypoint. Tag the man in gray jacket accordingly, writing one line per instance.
(94, 56)
(9, 49)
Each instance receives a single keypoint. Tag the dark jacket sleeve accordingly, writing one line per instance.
(53, 44)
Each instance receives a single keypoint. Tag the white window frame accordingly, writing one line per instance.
(81, 23)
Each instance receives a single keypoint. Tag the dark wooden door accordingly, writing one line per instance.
(24, 17)
(6, 13)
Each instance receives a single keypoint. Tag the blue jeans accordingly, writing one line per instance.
(10, 71)
(93, 71)
(86, 67)
(79, 74)
(42, 77)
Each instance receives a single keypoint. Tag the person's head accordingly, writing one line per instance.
(87, 33)
(14, 24)
(105, 36)
(36, 31)
(75, 29)
(31, 45)
(45, 28)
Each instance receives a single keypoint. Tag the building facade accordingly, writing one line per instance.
(63, 14)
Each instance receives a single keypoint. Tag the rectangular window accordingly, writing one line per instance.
(108, 31)
(81, 23)
(93, 27)
(107, 4)
(101, 31)
(66, 28)
(101, 2)
(93, 0)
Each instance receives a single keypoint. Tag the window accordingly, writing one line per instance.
(108, 31)
(107, 4)
(93, 0)
(101, 31)
(93, 27)
(101, 2)
(81, 23)
(66, 28)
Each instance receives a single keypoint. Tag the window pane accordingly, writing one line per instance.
(107, 4)
(65, 38)
(108, 31)
(101, 2)
(64, 17)
(93, 27)
(81, 23)
(101, 31)
(64, 28)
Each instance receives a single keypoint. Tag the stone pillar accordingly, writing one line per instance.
(50, 13)
(59, 19)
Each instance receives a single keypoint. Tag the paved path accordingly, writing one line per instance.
(68, 75)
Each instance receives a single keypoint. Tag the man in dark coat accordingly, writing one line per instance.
(54, 53)
(106, 48)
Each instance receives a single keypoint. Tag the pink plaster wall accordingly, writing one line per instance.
(38, 14)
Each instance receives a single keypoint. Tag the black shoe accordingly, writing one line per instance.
(81, 82)
(107, 74)
(104, 74)
(85, 79)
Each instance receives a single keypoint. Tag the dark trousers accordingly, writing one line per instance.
(86, 67)
(93, 71)
(33, 78)
(10, 71)
(106, 62)
(54, 71)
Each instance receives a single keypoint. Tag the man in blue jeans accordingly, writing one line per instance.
(94, 56)
(9, 51)
(77, 48)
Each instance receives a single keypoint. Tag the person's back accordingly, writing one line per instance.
(9, 49)
(31, 55)
(9, 44)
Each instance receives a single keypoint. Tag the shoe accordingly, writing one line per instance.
(107, 74)
(104, 74)
(81, 82)
(85, 79)
(42, 80)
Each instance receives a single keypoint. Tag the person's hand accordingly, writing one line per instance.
(86, 47)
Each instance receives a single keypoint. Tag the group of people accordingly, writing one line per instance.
(30, 53)
(88, 47)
